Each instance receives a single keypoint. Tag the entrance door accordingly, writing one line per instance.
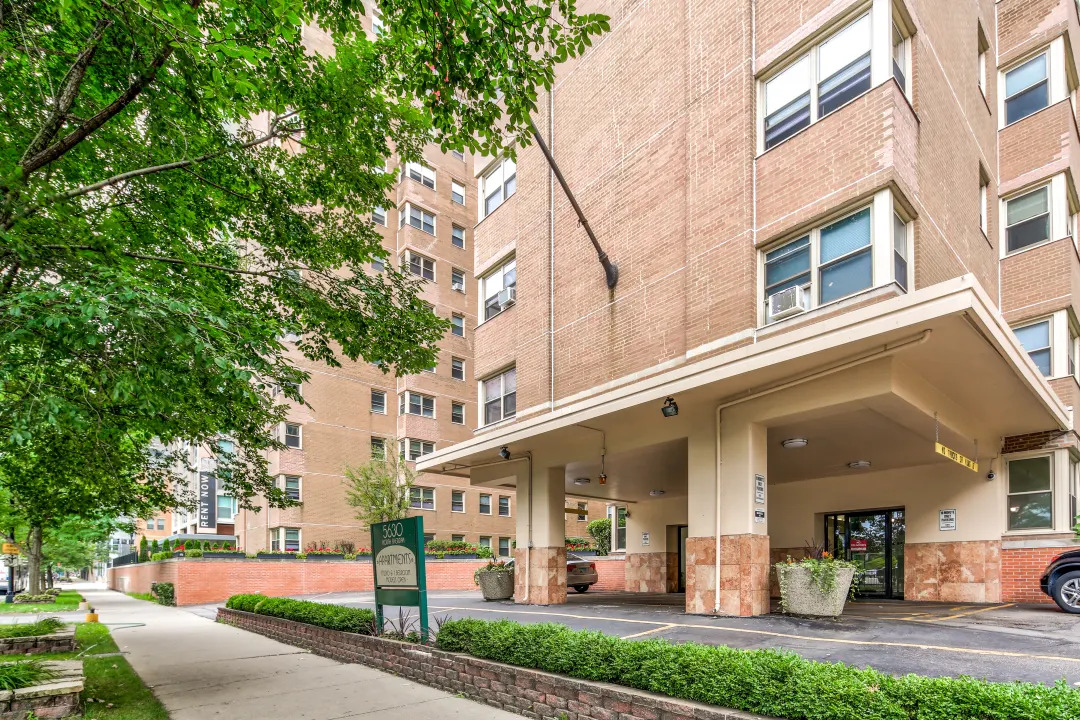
(684, 532)
(874, 541)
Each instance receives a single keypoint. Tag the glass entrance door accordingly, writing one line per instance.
(874, 541)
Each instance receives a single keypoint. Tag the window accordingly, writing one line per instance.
(378, 448)
(292, 435)
(485, 504)
(291, 485)
(457, 368)
(457, 538)
(1036, 340)
(377, 26)
(378, 265)
(1027, 220)
(457, 413)
(378, 402)
(378, 216)
(1031, 494)
(457, 236)
(457, 324)
(1074, 489)
(1071, 351)
(457, 192)
(226, 508)
(984, 220)
(161, 523)
(416, 404)
(421, 174)
(500, 396)
(900, 245)
(620, 528)
(457, 280)
(419, 218)
(428, 537)
(829, 76)
(504, 547)
(422, 498)
(583, 511)
(1027, 89)
(498, 185)
(285, 540)
(457, 501)
(417, 448)
(420, 265)
(504, 506)
(496, 288)
(984, 51)
(485, 541)
(899, 57)
(458, 154)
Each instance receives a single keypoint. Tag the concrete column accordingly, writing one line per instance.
(540, 575)
(701, 517)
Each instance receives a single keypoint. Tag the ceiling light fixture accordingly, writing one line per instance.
(859, 464)
(796, 442)
(656, 493)
(670, 408)
(582, 481)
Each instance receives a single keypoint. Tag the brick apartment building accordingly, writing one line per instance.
(846, 240)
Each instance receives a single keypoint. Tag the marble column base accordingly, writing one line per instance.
(649, 572)
(547, 575)
(953, 571)
(744, 575)
(700, 575)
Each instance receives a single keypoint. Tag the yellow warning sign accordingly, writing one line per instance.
(9, 549)
(956, 457)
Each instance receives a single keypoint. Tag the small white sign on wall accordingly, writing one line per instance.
(645, 539)
(759, 489)
(759, 516)
(947, 519)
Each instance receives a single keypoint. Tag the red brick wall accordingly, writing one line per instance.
(1021, 569)
(201, 581)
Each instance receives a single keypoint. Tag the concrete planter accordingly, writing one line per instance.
(275, 556)
(223, 555)
(496, 585)
(327, 556)
(800, 595)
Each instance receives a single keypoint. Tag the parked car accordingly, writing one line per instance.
(1061, 581)
(580, 573)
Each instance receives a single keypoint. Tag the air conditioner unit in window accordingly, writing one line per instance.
(788, 302)
(459, 287)
(507, 297)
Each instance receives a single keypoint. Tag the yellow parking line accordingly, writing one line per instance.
(971, 612)
(643, 633)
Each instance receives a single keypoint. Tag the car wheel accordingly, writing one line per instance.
(583, 588)
(1067, 592)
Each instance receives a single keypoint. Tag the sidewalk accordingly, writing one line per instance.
(201, 669)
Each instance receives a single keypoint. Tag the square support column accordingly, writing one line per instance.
(540, 565)
(701, 515)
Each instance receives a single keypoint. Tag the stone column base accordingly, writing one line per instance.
(962, 571)
(744, 575)
(650, 572)
(700, 575)
(547, 575)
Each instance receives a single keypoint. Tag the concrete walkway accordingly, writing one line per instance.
(201, 669)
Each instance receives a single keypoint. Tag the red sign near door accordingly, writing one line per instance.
(857, 545)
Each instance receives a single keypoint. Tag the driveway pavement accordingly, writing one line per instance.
(998, 642)
(201, 669)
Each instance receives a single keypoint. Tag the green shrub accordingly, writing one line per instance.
(155, 547)
(54, 591)
(600, 532)
(245, 603)
(164, 593)
(334, 617)
(161, 556)
(769, 682)
(166, 546)
(23, 673)
(144, 549)
(193, 553)
(26, 599)
(45, 626)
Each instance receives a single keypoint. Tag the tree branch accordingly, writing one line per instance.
(178, 261)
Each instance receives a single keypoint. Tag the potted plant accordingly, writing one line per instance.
(315, 551)
(817, 585)
(276, 555)
(363, 554)
(221, 550)
(580, 547)
(496, 580)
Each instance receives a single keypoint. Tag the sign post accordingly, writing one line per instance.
(397, 554)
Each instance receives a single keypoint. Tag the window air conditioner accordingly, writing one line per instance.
(788, 302)
(459, 287)
(507, 297)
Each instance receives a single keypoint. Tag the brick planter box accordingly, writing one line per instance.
(61, 697)
(526, 692)
(60, 641)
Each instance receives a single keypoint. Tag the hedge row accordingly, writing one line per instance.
(768, 682)
(334, 617)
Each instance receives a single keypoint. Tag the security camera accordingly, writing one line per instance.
(991, 475)
(505, 453)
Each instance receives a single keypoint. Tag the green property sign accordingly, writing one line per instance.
(397, 555)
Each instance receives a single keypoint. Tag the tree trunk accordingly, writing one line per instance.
(48, 576)
(33, 557)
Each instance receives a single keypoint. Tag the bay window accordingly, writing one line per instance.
(1031, 495)
(417, 217)
(414, 403)
(1036, 340)
(291, 485)
(422, 498)
(420, 265)
(1027, 219)
(420, 173)
(415, 449)
(844, 66)
(1027, 89)
(285, 539)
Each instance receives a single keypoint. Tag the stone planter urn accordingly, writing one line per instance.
(801, 595)
(496, 584)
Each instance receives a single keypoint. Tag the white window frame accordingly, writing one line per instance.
(484, 541)
(1055, 198)
(453, 237)
(1053, 460)
(508, 542)
(457, 190)
(279, 539)
(299, 435)
(456, 285)
(455, 325)
(424, 262)
(1060, 80)
(299, 485)
(508, 506)
(377, 26)
(983, 61)
(583, 511)
(501, 376)
(488, 290)
(1050, 335)
(497, 178)
(457, 360)
(405, 401)
(480, 503)
(373, 394)
(378, 215)
(457, 405)
(423, 491)
(419, 172)
(406, 218)
(379, 442)
(407, 444)
(984, 205)
(454, 494)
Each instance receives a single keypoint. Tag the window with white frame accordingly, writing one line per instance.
(457, 236)
(457, 413)
(416, 449)
(498, 288)
(457, 192)
(377, 26)
(378, 264)
(378, 448)
(1027, 219)
(899, 57)
(284, 539)
(457, 501)
(292, 435)
(378, 402)
(457, 280)
(485, 541)
(900, 251)
(378, 216)
(583, 511)
(504, 506)
(499, 396)
(457, 538)
(984, 52)
(1031, 493)
(984, 200)
(1071, 351)
(1027, 88)
(420, 265)
(420, 173)
(413, 403)
(458, 154)
(418, 217)
(1074, 489)
(457, 325)
(485, 504)
(457, 368)
(422, 498)
(497, 185)
(504, 547)
(291, 485)
(1036, 340)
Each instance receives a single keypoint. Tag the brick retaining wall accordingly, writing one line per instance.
(204, 580)
(526, 692)
(57, 642)
(1021, 569)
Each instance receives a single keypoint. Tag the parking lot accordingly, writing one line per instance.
(998, 642)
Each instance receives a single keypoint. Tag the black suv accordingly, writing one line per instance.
(1061, 581)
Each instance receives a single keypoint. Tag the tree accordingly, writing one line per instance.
(184, 199)
(381, 490)
(76, 544)
(600, 531)
(144, 549)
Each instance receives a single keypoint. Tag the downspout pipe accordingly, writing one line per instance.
(885, 351)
